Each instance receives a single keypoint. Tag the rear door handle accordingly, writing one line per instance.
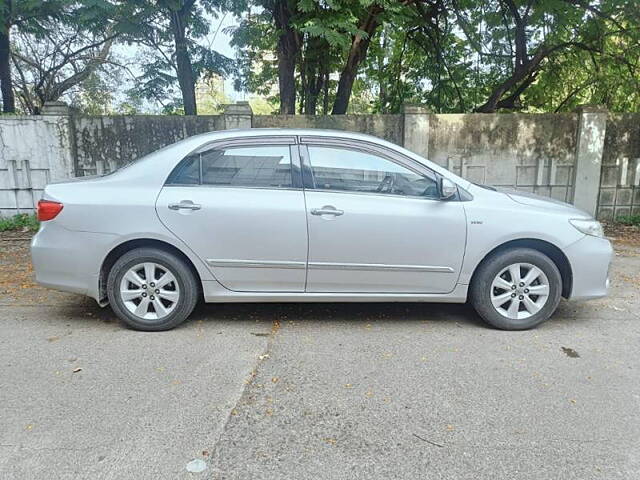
(185, 205)
(327, 210)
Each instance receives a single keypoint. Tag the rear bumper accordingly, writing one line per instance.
(69, 260)
(590, 259)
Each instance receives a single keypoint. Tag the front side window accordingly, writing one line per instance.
(249, 166)
(357, 171)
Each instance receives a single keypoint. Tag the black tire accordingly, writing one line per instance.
(187, 283)
(481, 287)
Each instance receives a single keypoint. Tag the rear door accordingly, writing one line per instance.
(240, 207)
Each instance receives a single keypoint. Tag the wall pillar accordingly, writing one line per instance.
(416, 129)
(66, 121)
(55, 108)
(592, 126)
(237, 115)
(34, 150)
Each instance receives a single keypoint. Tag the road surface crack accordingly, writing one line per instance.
(248, 382)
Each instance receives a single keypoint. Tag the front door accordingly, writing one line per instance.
(240, 208)
(377, 226)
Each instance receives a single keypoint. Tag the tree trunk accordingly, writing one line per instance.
(304, 89)
(287, 52)
(382, 84)
(6, 84)
(357, 54)
(316, 56)
(52, 91)
(184, 69)
(519, 80)
(325, 90)
(287, 84)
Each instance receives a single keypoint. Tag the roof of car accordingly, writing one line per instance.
(189, 144)
(256, 132)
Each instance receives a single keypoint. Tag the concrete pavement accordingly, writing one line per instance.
(317, 391)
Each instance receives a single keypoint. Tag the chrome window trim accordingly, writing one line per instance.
(376, 194)
(276, 189)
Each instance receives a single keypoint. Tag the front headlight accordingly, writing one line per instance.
(588, 227)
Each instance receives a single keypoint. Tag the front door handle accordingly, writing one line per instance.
(185, 205)
(327, 210)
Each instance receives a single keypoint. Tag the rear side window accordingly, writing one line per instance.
(187, 172)
(267, 166)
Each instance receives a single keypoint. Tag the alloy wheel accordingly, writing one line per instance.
(519, 291)
(149, 291)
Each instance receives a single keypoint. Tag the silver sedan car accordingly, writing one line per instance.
(310, 216)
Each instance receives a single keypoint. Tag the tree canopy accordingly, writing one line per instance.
(325, 56)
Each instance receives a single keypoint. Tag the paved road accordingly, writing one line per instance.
(317, 391)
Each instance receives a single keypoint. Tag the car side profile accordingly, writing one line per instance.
(302, 215)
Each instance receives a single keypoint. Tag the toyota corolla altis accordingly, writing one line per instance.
(284, 215)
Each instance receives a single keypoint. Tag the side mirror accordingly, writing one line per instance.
(447, 189)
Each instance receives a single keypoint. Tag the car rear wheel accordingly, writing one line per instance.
(151, 289)
(516, 289)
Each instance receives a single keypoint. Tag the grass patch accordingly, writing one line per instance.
(22, 221)
(629, 220)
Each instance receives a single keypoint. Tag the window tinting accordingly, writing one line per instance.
(251, 166)
(355, 171)
(259, 166)
(187, 172)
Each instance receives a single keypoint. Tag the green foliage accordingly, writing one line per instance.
(152, 26)
(255, 40)
(453, 55)
(210, 96)
(629, 220)
(448, 55)
(262, 106)
(94, 95)
(22, 221)
(59, 47)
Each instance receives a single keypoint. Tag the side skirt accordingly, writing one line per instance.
(216, 293)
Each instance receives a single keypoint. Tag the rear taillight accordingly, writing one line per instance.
(48, 210)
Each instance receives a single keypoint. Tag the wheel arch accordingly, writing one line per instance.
(119, 250)
(549, 249)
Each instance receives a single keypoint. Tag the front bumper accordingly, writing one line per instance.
(69, 260)
(590, 259)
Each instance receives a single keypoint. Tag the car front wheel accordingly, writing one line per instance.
(151, 289)
(516, 289)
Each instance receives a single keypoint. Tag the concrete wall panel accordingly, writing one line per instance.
(539, 153)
